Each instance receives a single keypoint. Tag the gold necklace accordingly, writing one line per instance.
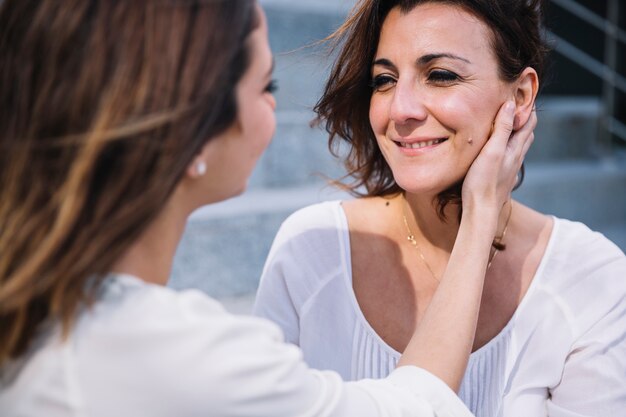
(498, 239)
(411, 238)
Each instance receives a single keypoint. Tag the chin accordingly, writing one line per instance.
(239, 191)
(426, 186)
(225, 195)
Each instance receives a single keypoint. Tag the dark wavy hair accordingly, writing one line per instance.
(518, 43)
(104, 104)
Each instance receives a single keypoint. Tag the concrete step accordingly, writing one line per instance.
(297, 156)
(593, 192)
(294, 24)
(300, 77)
(567, 129)
(225, 245)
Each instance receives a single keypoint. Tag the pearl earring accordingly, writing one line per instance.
(201, 168)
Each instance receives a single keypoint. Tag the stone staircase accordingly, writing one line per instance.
(225, 245)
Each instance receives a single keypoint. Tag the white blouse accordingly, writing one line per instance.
(148, 351)
(562, 354)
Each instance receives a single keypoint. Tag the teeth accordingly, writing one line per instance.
(419, 145)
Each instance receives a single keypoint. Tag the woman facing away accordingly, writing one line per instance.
(413, 92)
(119, 118)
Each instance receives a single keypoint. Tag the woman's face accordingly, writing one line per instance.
(436, 94)
(234, 153)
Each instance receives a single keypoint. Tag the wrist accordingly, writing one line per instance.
(481, 208)
(481, 219)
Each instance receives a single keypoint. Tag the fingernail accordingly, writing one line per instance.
(509, 106)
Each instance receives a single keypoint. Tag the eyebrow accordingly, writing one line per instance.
(423, 60)
(431, 57)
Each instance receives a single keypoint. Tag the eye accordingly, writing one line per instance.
(271, 87)
(443, 77)
(382, 82)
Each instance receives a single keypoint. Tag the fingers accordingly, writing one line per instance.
(529, 127)
(503, 127)
(521, 140)
(493, 173)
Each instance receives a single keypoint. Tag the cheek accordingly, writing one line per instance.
(261, 126)
(378, 115)
(471, 118)
(268, 127)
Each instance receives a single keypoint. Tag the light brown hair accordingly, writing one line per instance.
(104, 105)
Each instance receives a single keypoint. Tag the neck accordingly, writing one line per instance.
(425, 223)
(151, 257)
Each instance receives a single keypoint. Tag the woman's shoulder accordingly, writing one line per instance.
(336, 214)
(130, 306)
(570, 247)
(368, 213)
(319, 228)
(580, 259)
(321, 215)
(584, 272)
(310, 250)
(150, 336)
(123, 294)
(148, 319)
(583, 247)
(324, 229)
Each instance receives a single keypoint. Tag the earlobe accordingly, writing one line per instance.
(526, 89)
(200, 168)
(197, 168)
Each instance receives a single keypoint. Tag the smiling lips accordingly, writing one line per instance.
(420, 144)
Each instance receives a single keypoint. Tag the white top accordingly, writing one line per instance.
(562, 354)
(148, 351)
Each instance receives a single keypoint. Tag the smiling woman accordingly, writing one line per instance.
(436, 91)
(414, 93)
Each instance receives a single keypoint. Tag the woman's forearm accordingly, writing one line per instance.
(443, 340)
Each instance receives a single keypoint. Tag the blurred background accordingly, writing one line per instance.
(576, 168)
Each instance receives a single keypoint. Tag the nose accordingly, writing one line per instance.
(406, 105)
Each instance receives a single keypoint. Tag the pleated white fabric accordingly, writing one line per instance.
(483, 380)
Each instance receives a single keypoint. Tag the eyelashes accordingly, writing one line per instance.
(382, 82)
(443, 76)
(437, 77)
(271, 87)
